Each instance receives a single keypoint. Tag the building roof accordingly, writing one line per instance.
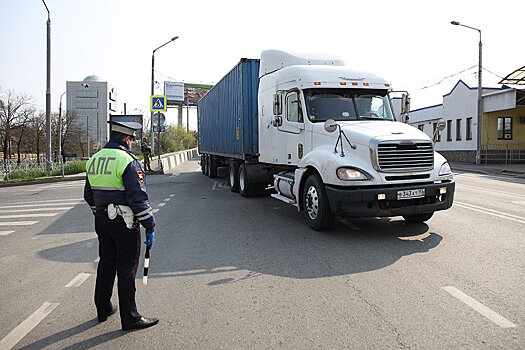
(517, 77)
(92, 78)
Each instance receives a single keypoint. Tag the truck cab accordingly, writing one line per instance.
(341, 150)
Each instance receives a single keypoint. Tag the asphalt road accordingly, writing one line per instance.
(228, 272)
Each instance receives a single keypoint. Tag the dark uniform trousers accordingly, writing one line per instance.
(119, 250)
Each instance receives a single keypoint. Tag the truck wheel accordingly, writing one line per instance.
(247, 189)
(418, 218)
(212, 166)
(203, 156)
(234, 176)
(315, 203)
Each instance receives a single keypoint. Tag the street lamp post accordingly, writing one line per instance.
(48, 94)
(59, 151)
(478, 147)
(152, 93)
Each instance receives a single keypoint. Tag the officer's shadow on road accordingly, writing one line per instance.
(54, 339)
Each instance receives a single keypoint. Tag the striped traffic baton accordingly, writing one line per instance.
(146, 266)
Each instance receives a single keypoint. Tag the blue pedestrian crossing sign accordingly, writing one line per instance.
(158, 103)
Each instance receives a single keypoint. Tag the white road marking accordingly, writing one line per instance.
(496, 213)
(493, 177)
(155, 211)
(77, 281)
(479, 307)
(214, 186)
(77, 200)
(162, 204)
(350, 225)
(24, 216)
(172, 195)
(167, 200)
(5, 233)
(18, 223)
(484, 189)
(36, 205)
(175, 174)
(34, 209)
(26, 326)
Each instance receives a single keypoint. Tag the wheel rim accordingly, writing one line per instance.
(312, 202)
(232, 177)
(241, 181)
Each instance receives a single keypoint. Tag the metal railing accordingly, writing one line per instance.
(507, 153)
(26, 167)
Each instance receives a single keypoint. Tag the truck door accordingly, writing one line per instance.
(292, 128)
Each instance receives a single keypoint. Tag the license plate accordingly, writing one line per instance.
(408, 194)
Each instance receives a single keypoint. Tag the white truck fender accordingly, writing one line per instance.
(297, 186)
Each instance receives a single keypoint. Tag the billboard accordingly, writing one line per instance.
(174, 91)
(184, 93)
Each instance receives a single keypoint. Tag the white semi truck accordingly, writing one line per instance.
(324, 136)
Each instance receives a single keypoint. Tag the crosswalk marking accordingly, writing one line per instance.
(5, 233)
(23, 216)
(35, 209)
(18, 223)
(64, 200)
(35, 205)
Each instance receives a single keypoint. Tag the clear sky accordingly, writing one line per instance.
(410, 43)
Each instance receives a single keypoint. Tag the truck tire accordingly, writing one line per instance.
(245, 188)
(203, 156)
(234, 176)
(418, 218)
(212, 166)
(315, 203)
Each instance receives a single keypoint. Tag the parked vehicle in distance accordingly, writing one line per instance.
(325, 136)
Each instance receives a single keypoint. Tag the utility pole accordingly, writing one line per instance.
(48, 94)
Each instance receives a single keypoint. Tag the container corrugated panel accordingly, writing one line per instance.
(227, 114)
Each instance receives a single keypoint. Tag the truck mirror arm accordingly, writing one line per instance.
(340, 139)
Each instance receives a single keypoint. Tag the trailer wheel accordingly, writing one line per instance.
(234, 176)
(315, 203)
(212, 166)
(418, 218)
(247, 189)
(203, 156)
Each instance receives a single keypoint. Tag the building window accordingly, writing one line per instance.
(458, 129)
(504, 128)
(469, 128)
(421, 127)
(436, 135)
(449, 130)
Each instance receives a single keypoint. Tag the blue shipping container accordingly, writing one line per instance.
(227, 114)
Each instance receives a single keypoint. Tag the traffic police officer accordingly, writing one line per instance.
(115, 184)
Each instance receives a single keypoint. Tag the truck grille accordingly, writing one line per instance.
(397, 156)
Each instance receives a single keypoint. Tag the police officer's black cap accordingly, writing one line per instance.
(126, 128)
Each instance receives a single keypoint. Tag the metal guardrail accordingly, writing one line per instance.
(507, 153)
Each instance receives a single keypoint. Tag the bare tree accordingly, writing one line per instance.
(70, 129)
(12, 107)
(21, 128)
(38, 130)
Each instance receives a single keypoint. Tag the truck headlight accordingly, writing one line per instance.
(445, 170)
(351, 174)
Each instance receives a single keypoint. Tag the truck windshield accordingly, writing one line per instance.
(347, 104)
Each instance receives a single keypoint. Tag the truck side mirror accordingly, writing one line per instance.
(277, 105)
(441, 124)
(330, 125)
(405, 104)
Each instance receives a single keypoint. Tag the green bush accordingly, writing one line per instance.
(76, 167)
(31, 174)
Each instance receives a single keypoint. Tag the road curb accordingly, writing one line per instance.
(36, 182)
